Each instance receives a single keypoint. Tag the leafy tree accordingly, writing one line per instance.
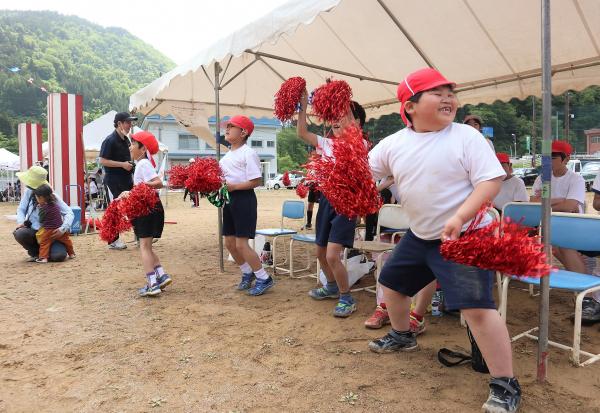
(291, 150)
(9, 143)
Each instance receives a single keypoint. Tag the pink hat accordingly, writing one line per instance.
(419, 81)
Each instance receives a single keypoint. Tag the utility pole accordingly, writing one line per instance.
(533, 131)
(567, 116)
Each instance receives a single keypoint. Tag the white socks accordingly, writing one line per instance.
(245, 268)
(261, 274)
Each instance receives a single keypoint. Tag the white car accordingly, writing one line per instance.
(277, 182)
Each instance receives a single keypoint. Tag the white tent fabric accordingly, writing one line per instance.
(490, 48)
(95, 131)
(9, 161)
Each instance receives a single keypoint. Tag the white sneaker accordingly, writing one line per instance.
(117, 245)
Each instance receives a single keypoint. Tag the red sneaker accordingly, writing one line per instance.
(416, 326)
(379, 318)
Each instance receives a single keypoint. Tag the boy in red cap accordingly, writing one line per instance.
(241, 168)
(568, 195)
(143, 146)
(513, 188)
(444, 172)
(334, 232)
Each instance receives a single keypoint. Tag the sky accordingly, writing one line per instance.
(177, 28)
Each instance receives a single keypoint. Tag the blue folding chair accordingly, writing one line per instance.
(291, 209)
(528, 214)
(574, 231)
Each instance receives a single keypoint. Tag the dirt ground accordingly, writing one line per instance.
(76, 338)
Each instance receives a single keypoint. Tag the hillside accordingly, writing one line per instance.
(69, 54)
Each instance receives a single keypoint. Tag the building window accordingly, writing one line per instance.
(256, 144)
(189, 142)
(270, 144)
(595, 139)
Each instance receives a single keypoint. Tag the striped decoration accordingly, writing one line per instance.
(65, 138)
(30, 144)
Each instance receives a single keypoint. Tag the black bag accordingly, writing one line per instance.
(476, 358)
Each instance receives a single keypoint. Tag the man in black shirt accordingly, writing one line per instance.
(116, 160)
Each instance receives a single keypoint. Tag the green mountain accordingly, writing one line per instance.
(68, 54)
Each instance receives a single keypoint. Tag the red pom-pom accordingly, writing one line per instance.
(302, 190)
(204, 176)
(514, 253)
(331, 101)
(345, 179)
(113, 222)
(141, 202)
(177, 176)
(287, 98)
(285, 179)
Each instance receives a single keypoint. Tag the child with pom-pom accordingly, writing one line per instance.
(444, 172)
(148, 227)
(242, 172)
(334, 232)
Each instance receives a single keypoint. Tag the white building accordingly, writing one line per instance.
(183, 145)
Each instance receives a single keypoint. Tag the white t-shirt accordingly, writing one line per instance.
(241, 165)
(324, 146)
(435, 172)
(512, 190)
(568, 186)
(144, 171)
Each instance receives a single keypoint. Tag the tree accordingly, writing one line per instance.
(10, 143)
(291, 150)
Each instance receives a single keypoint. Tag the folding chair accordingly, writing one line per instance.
(291, 209)
(308, 239)
(528, 214)
(395, 219)
(579, 232)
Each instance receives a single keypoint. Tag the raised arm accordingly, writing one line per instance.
(302, 128)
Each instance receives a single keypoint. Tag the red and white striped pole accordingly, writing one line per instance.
(30, 144)
(66, 151)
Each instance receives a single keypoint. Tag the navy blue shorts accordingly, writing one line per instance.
(150, 226)
(332, 227)
(415, 263)
(239, 215)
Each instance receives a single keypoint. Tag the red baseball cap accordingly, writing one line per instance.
(503, 157)
(147, 139)
(242, 122)
(563, 147)
(419, 81)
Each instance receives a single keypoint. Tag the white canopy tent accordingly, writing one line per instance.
(9, 161)
(491, 49)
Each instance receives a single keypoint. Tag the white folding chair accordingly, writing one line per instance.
(293, 210)
(394, 218)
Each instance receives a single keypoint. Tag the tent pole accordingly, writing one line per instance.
(544, 309)
(217, 133)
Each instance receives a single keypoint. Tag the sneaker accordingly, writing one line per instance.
(117, 245)
(379, 318)
(417, 327)
(505, 396)
(322, 293)
(246, 282)
(31, 259)
(393, 341)
(590, 310)
(344, 308)
(261, 286)
(308, 226)
(72, 256)
(41, 260)
(149, 290)
(163, 281)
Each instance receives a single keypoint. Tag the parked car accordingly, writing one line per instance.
(589, 171)
(528, 175)
(277, 182)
